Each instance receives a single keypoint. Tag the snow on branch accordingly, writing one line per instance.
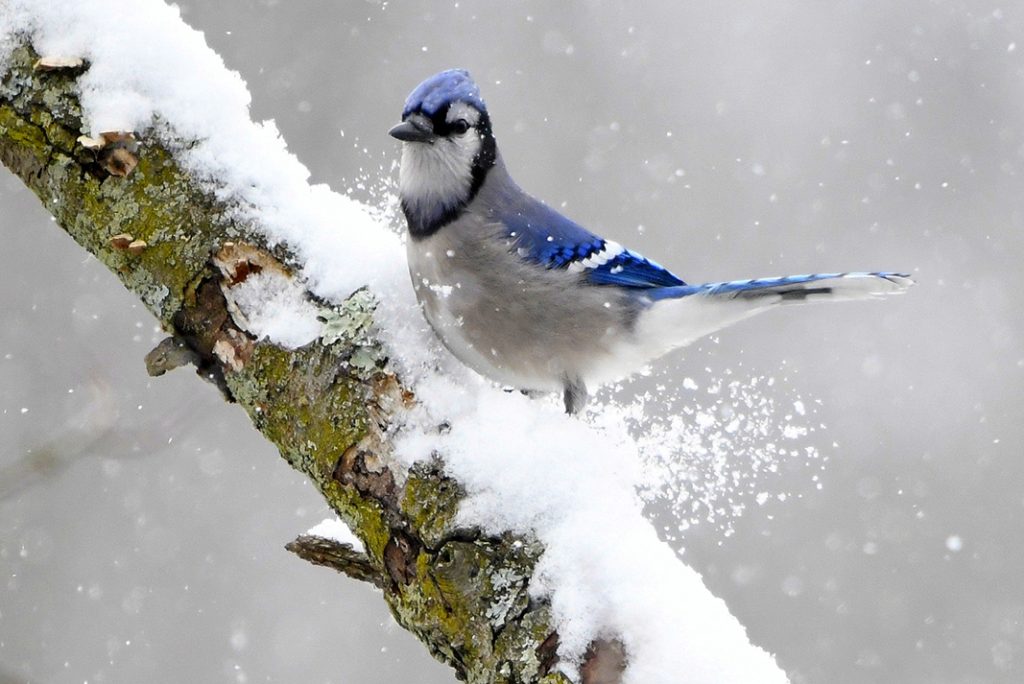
(508, 537)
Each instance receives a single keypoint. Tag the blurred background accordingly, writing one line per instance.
(142, 521)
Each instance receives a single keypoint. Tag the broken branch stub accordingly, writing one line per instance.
(56, 63)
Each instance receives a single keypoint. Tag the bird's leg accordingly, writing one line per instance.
(575, 395)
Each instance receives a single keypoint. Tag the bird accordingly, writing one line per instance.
(531, 299)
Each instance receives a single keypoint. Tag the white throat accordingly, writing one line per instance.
(437, 176)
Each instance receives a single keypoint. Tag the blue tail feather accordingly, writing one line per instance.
(752, 288)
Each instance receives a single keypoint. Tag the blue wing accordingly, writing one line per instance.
(545, 237)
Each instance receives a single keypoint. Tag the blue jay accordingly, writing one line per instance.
(532, 300)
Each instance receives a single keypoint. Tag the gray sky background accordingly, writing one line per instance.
(142, 521)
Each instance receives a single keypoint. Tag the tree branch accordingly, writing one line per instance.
(326, 406)
(338, 556)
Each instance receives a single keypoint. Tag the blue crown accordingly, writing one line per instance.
(441, 90)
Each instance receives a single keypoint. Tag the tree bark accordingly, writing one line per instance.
(326, 406)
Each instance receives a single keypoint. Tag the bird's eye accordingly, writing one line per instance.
(460, 126)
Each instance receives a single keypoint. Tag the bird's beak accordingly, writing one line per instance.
(413, 129)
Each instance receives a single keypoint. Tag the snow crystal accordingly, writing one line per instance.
(716, 451)
(526, 466)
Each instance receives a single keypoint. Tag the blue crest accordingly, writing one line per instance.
(442, 89)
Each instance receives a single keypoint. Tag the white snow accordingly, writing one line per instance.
(526, 466)
(573, 485)
(150, 62)
(336, 530)
(276, 307)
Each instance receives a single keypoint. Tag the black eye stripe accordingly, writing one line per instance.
(443, 127)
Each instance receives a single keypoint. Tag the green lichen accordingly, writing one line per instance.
(301, 397)
(554, 678)
(310, 410)
(19, 132)
(431, 501)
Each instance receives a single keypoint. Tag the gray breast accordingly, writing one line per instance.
(513, 321)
